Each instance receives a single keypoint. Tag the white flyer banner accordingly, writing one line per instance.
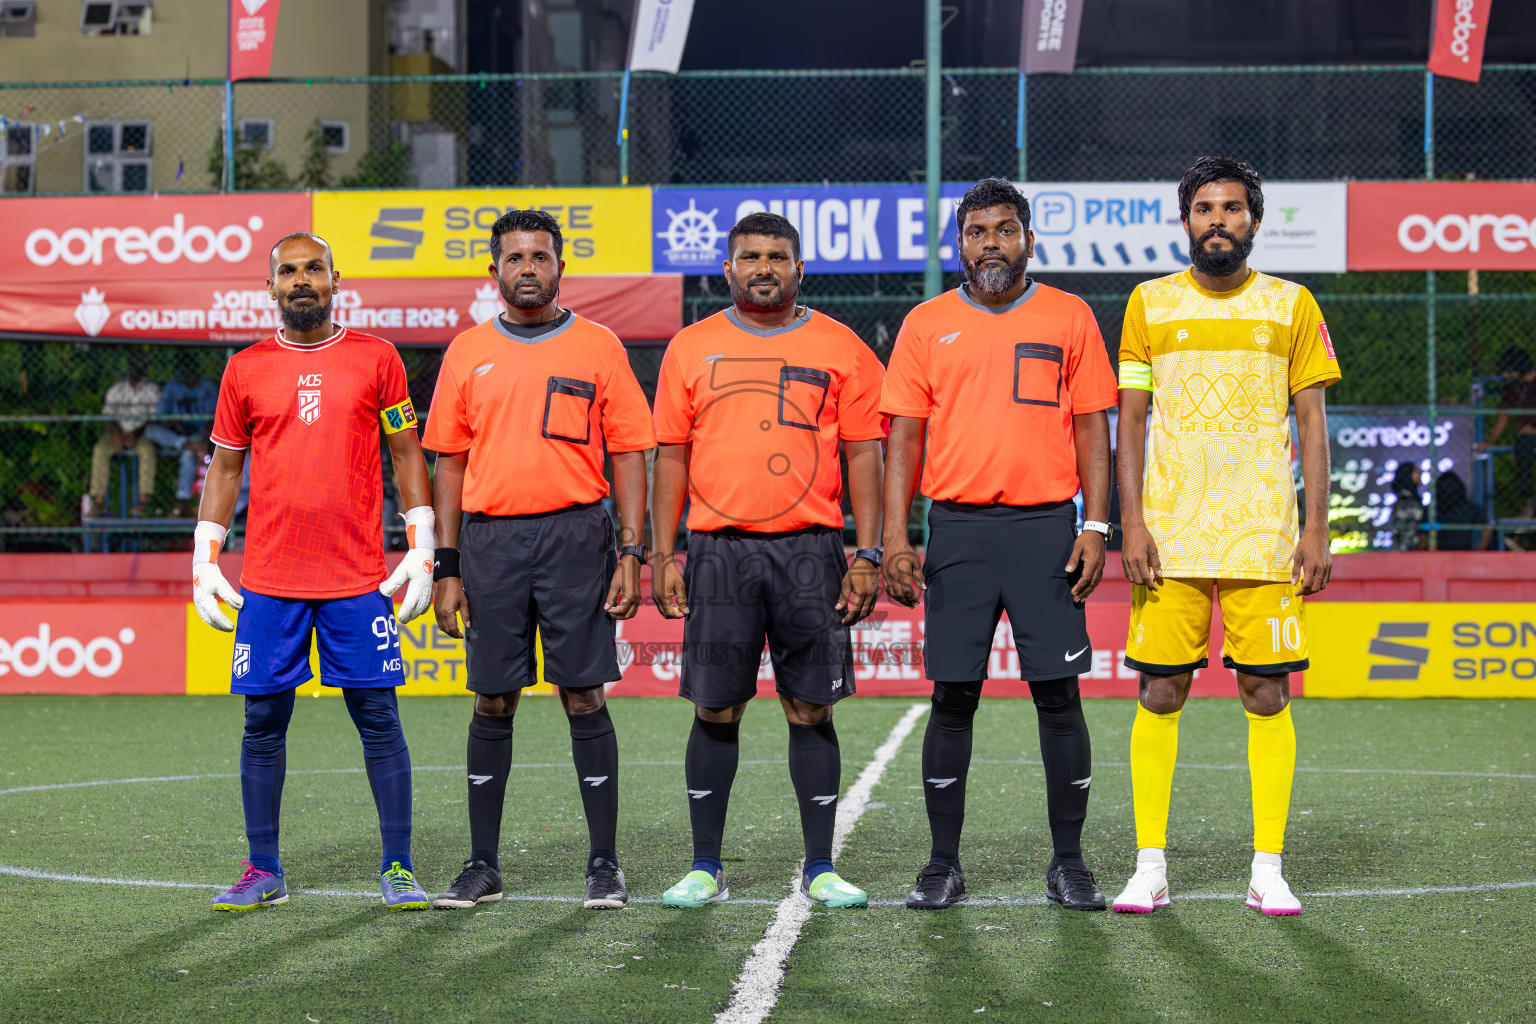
(1133, 227)
(660, 33)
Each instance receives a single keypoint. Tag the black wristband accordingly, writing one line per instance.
(447, 567)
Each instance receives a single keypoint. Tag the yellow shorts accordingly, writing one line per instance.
(1265, 626)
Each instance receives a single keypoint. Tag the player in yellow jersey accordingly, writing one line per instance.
(1219, 353)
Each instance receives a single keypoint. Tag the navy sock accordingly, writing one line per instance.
(816, 867)
(710, 864)
(376, 714)
(263, 765)
(595, 749)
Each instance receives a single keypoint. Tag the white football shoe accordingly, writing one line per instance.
(1148, 888)
(1267, 889)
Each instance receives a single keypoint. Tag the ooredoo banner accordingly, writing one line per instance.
(1442, 225)
(98, 239)
(92, 647)
(641, 307)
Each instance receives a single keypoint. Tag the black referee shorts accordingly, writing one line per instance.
(983, 560)
(743, 587)
(550, 570)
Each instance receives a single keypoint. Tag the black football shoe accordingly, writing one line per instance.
(605, 886)
(938, 886)
(1073, 887)
(477, 883)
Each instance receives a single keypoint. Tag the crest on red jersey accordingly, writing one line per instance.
(309, 405)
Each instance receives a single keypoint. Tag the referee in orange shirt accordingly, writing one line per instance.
(525, 408)
(750, 408)
(1006, 383)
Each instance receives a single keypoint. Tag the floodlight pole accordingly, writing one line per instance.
(229, 96)
(1432, 388)
(933, 272)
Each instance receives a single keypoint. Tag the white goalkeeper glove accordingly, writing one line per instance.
(415, 569)
(208, 584)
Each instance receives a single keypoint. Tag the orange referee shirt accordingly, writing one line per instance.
(764, 411)
(536, 415)
(999, 388)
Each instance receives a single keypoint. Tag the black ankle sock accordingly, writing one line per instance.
(1068, 760)
(595, 749)
(489, 758)
(709, 770)
(815, 769)
(946, 762)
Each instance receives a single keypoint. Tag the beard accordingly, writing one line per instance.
(306, 319)
(994, 279)
(780, 296)
(517, 297)
(1222, 263)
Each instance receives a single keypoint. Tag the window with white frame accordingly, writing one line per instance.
(335, 135)
(118, 156)
(116, 17)
(256, 132)
(18, 158)
(18, 18)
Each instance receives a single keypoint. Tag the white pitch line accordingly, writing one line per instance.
(970, 901)
(328, 771)
(756, 991)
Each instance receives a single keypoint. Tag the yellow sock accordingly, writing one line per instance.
(1272, 763)
(1154, 749)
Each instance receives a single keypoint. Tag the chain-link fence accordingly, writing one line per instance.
(759, 127)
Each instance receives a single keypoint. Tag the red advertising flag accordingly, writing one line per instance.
(1442, 225)
(252, 31)
(1456, 38)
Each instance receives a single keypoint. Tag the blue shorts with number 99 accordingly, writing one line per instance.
(359, 643)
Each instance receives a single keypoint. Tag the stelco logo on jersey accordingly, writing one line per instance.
(447, 233)
(309, 397)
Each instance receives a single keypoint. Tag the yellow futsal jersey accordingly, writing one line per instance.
(1222, 367)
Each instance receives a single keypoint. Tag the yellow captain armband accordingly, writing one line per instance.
(398, 417)
(1137, 376)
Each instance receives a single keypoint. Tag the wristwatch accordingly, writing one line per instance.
(640, 551)
(1096, 527)
(871, 555)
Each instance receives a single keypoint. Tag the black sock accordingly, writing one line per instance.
(595, 749)
(709, 770)
(1068, 760)
(816, 770)
(490, 762)
(946, 762)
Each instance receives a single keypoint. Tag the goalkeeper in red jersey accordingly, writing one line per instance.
(307, 404)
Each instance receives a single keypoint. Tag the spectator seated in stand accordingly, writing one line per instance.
(131, 402)
(1518, 392)
(1454, 508)
(189, 393)
(1408, 512)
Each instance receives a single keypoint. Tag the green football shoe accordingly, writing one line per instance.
(697, 889)
(828, 888)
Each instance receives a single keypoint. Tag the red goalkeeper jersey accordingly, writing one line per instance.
(310, 416)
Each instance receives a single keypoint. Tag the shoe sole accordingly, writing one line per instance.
(252, 906)
(606, 903)
(719, 897)
(414, 905)
(443, 903)
(862, 901)
(916, 905)
(1267, 912)
(1058, 901)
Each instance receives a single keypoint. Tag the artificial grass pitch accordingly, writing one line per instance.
(1390, 795)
